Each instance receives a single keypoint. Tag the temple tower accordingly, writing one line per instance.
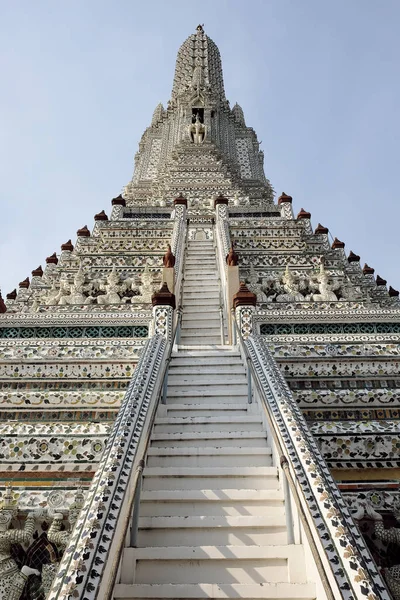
(199, 397)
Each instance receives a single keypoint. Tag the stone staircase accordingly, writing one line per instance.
(212, 518)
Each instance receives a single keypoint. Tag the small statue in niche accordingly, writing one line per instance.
(391, 535)
(197, 77)
(197, 131)
(12, 580)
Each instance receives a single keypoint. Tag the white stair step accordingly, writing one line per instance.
(220, 439)
(189, 341)
(201, 522)
(213, 390)
(190, 380)
(268, 591)
(204, 272)
(218, 536)
(220, 403)
(206, 424)
(219, 507)
(193, 368)
(226, 502)
(206, 410)
(204, 457)
(193, 356)
(207, 564)
(202, 294)
(201, 332)
(197, 478)
(192, 314)
(206, 366)
(273, 497)
(192, 277)
(206, 286)
(203, 325)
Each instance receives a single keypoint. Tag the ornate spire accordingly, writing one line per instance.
(237, 112)
(198, 67)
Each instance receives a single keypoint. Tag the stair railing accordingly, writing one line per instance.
(91, 561)
(220, 259)
(344, 565)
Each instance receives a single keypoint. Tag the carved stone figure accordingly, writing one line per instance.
(112, 287)
(12, 580)
(291, 287)
(197, 131)
(60, 538)
(73, 293)
(256, 287)
(146, 287)
(391, 535)
(325, 290)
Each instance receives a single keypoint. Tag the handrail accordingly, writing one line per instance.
(134, 496)
(133, 511)
(83, 566)
(284, 464)
(372, 580)
(222, 303)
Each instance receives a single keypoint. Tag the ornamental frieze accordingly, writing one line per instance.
(67, 370)
(336, 368)
(47, 398)
(56, 349)
(329, 350)
(347, 397)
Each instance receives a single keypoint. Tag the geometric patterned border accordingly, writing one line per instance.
(327, 328)
(140, 331)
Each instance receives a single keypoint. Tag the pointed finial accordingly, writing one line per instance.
(367, 270)
(68, 246)
(83, 232)
(244, 297)
(304, 214)
(101, 216)
(380, 280)
(163, 297)
(285, 198)
(337, 244)
(320, 229)
(353, 257)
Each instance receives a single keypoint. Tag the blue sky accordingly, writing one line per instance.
(318, 81)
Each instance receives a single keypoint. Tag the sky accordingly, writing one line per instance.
(317, 80)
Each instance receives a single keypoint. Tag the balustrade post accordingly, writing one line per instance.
(163, 311)
(244, 304)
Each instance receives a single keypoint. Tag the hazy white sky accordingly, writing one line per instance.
(318, 81)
